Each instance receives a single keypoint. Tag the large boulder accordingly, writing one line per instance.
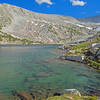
(68, 91)
(74, 58)
(95, 45)
(95, 51)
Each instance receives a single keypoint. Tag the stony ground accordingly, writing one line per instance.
(43, 28)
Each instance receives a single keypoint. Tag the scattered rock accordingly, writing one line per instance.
(68, 91)
(22, 95)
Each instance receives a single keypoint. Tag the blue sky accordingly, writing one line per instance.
(75, 8)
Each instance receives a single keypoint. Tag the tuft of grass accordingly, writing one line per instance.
(86, 44)
(94, 63)
(1, 38)
(25, 41)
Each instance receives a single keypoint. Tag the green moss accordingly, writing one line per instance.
(0, 27)
(25, 41)
(98, 33)
(72, 97)
(10, 38)
(94, 63)
(1, 38)
(90, 98)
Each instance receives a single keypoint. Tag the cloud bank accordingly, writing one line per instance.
(77, 3)
(44, 1)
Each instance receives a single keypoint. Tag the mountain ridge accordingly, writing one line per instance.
(45, 28)
(93, 19)
(50, 13)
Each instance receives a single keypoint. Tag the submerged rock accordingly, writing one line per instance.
(86, 74)
(42, 74)
(22, 95)
(3, 97)
(92, 91)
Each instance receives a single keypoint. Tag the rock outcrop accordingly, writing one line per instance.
(73, 58)
(70, 91)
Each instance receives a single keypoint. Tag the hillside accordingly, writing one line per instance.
(42, 28)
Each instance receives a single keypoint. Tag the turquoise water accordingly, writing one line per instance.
(28, 68)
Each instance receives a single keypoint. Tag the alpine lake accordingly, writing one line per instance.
(38, 69)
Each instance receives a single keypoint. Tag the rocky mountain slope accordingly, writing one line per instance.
(43, 28)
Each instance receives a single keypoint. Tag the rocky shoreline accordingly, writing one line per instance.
(68, 92)
(87, 52)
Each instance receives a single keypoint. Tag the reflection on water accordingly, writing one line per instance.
(34, 68)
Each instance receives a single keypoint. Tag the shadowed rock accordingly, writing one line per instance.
(22, 95)
(68, 91)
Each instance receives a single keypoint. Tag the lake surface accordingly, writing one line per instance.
(37, 67)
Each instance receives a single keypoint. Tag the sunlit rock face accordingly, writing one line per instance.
(42, 27)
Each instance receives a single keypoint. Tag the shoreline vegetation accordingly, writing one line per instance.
(87, 52)
(67, 94)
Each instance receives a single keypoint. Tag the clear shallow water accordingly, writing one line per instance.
(28, 68)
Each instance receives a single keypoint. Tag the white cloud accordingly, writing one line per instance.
(77, 3)
(44, 1)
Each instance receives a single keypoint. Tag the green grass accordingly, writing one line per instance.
(86, 44)
(98, 33)
(71, 97)
(94, 63)
(1, 38)
(10, 38)
(25, 41)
